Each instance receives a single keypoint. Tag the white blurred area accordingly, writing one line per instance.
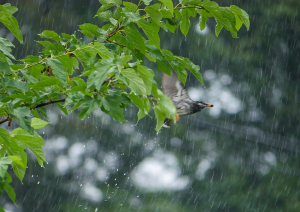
(217, 93)
(160, 172)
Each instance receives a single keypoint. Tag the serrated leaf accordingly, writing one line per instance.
(133, 7)
(151, 30)
(17, 160)
(136, 38)
(67, 62)
(4, 162)
(5, 45)
(46, 82)
(34, 143)
(4, 68)
(88, 105)
(164, 108)
(192, 67)
(58, 69)
(50, 35)
(10, 192)
(168, 4)
(114, 101)
(142, 103)
(164, 67)
(37, 123)
(98, 76)
(11, 23)
(21, 114)
(102, 50)
(244, 17)
(14, 148)
(105, 16)
(147, 76)
(35, 70)
(90, 30)
(135, 83)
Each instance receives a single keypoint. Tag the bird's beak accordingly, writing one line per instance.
(209, 105)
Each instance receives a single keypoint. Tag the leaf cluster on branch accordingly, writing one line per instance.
(112, 71)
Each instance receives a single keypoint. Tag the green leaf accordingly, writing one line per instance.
(67, 62)
(11, 23)
(164, 108)
(1, 209)
(82, 57)
(5, 45)
(164, 67)
(34, 143)
(50, 35)
(172, 24)
(182, 75)
(4, 162)
(133, 7)
(147, 76)
(136, 38)
(203, 18)
(101, 50)
(46, 82)
(37, 123)
(15, 84)
(131, 17)
(90, 30)
(192, 67)
(151, 30)
(17, 160)
(21, 114)
(168, 4)
(98, 76)
(35, 70)
(58, 70)
(111, 105)
(10, 191)
(142, 103)
(243, 16)
(135, 83)
(105, 16)
(147, 2)
(185, 20)
(88, 105)
(14, 148)
(116, 2)
(4, 68)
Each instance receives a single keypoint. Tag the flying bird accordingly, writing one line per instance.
(175, 90)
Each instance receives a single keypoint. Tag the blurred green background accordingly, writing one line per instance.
(241, 155)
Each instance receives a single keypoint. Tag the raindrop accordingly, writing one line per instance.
(96, 209)
(138, 196)
(80, 185)
(38, 182)
(32, 175)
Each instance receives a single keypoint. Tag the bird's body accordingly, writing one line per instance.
(175, 90)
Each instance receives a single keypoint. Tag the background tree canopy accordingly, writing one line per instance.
(240, 155)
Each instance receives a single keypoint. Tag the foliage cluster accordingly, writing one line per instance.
(113, 74)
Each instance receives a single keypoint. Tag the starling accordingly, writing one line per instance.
(175, 90)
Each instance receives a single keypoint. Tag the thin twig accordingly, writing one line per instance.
(48, 103)
(3, 121)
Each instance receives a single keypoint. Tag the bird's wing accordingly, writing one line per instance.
(174, 89)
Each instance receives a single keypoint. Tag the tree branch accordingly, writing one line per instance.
(3, 121)
(40, 105)
(48, 103)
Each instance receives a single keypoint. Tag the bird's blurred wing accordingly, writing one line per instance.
(174, 89)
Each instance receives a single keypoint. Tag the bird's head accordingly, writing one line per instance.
(203, 104)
